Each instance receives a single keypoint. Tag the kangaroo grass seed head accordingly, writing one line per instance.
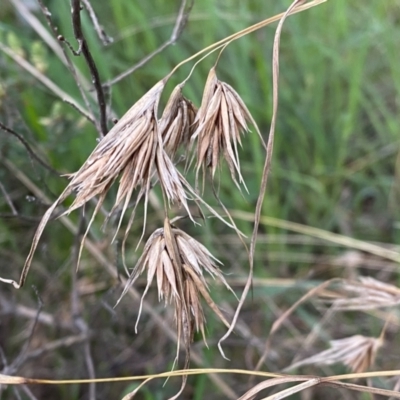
(177, 262)
(356, 352)
(366, 293)
(220, 120)
(176, 123)
(128, 150)
(125, 150)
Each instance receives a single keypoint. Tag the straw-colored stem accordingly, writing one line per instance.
(244, 32)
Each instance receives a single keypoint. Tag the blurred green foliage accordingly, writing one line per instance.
(335, 163)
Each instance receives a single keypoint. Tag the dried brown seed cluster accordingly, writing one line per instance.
(128, 149)
(141, 147)
(220, 120)
(366, 293)
(133, 151)
(176, 123)
(178, 262)
(356, 352)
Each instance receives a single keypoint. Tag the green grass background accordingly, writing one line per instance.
(335, 167)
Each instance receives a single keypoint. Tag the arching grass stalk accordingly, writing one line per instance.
(226, 41)
(267, 165)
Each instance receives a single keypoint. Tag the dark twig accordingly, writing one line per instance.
(28, 148)
(28, 392)
(180, 23)
(105, 39)
(66, 341)
(83, 46)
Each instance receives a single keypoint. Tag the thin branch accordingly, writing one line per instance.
(8, 200)
(180, 23)
(52, 40)
(28, 148)
(22, 356)
(66, 341)
(44, 80)
(10, 308)
(19, 216)
(76, 22)
(105, 39)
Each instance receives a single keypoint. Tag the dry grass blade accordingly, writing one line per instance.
(295, 389)
(365, 294)
(279, 321)
(393, 394)
(12, 380)
(220, 120)
(266, 168)
(356, 352)
(252, 393)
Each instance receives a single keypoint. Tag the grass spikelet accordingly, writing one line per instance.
(366, 293)
(177, 262)
(356, 352)
(176, 122)
(220, 120)
(128, 151)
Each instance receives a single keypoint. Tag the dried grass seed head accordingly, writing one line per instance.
(221, 119)
(128, 149)
(356, 352)
(179, 280)
(366, 293)
(176, 122)
(127, 143)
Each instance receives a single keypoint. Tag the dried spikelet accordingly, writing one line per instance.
(125, 150)
(176, 123)
(172, 181)
(177, 262)
(365, 294)
(220, 120)
(356, 352)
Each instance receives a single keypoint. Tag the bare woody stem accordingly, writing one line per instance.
(84, 48)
